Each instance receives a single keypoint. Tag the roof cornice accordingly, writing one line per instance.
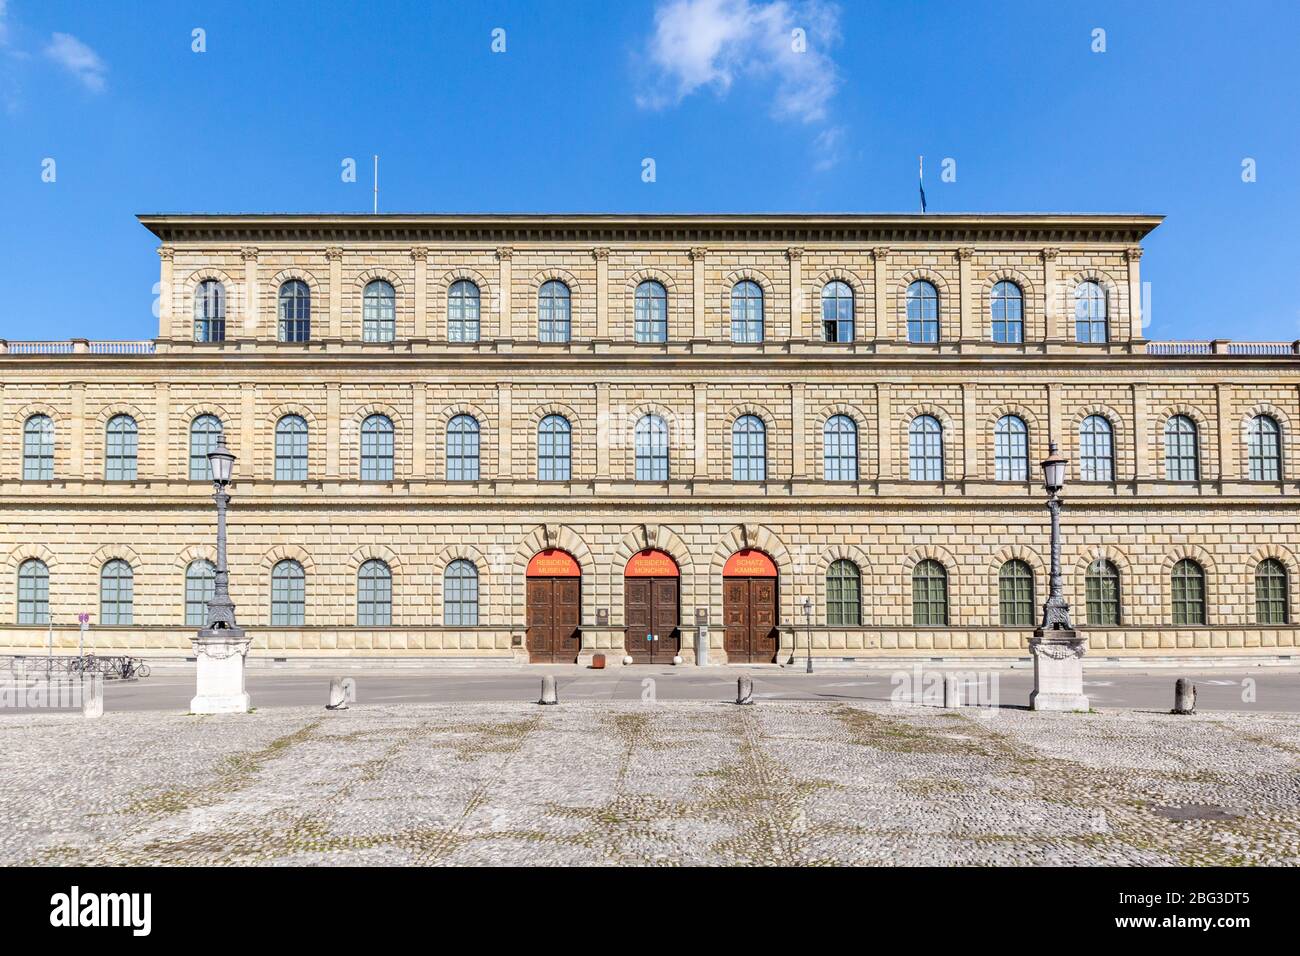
(840, 228)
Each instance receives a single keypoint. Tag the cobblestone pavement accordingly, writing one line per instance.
(634, 783)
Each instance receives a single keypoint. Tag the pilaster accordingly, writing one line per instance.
(162, 430)
(969, 431)
(969, 323)
(505, 294)
(1141, 433)
(884, 433)
(602, 429)
(1050, 297)
(247, 429)
(699, 321)
(699, 401)
(77, 438)
(1133, 255)
(420, 261)
(252, 295)
(798, 427)
(166, 294)
(332, 429)
(1054, 416)
(419, 430)
(505, 432)
(601, 256)
(1227, 447)
(335, 256)
(798, 311)
(880, 282)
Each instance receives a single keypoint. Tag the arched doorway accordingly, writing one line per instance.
(749, 596)
(554, 613)
(650, 607)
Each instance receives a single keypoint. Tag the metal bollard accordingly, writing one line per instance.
(1184, 696)
(338, 695)
(92, 696)
(744, 690)
(549, 695)
(951, 691)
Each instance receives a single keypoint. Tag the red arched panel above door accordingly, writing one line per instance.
(553, 563)
(651, 564)
(749, 563)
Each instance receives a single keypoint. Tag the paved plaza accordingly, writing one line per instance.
(628, 782)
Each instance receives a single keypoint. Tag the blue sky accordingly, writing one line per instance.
(734, 120)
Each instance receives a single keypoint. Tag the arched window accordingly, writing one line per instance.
(922, 312)
(746, 312)
(843, 594)
(651, 319)
(295, 311)
(929, 594)
(120, 443)
(33, 592)
(116, 592)
(837, 312)
(1264, 439)
(1188, 592)
(462, 448)
(291, 448)
(925, 449)
(553, 312)
(1007, 307)
(460, 594)
(210, 311)
(1090, 312)
(378, 312)
(205, 431)
(462, 312)
(651, 440)
(840, 449)
(1101, 586)
(288, 594)
(377, 449)
(1182, 462)
(200, 585)
(554, 449)
(748, 449)
(1272, 594)
(1016, 594)
(38, 448)
(374, 594)
(1096, 449)
(1010, 449)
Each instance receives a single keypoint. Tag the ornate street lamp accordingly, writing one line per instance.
(1056, 647)
(220, 648)
(807, 623)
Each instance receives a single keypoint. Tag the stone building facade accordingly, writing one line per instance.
(535, 436)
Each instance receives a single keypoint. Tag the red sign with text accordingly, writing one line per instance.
(749, 564)
(553, 564)
(651, 564)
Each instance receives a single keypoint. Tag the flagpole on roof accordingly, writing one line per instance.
(920, 179)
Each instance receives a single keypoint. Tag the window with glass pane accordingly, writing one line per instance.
(553, 312)
(288, 594)
(200, 585)
(929, 594)
(843, 594)
(837, 312)
(651, 319)
(33, 592)
(204, 434)
(1101, 584)
(462, 448)
(120, 443)
(1008, 307)
(1010, 449)
(374, 595)
(377, 449)
(295, 311)
(1271, 597)
(291, 448)
(460, 594)
(748, 449)
(38, 448)
(379, 312)
(746, 312)
(210, 311)
(463, 312)
(116, 592)
(1096, 450)
(1090, 312)
(840, 449)
(1264, 441)
(1182, 462)
(925, 449)
(1016, 594)
(554, 449)
(922, 312)
(651, 449)
(1188, 592)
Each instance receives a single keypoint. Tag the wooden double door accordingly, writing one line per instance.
(749, 620)
(651, 608)
(554, 618)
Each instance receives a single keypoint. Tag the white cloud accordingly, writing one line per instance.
(4, 27)
(713, 43)
(828, 148)
(78, 59)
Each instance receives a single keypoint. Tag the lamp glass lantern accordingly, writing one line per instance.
(1054, 470)
(222, 463)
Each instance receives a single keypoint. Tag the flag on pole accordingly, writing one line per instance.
(920, 160)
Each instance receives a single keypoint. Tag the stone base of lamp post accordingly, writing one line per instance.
(220, 654)
(1058, 670)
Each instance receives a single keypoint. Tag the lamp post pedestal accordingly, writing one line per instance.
(1058, 670)
(220, 654)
